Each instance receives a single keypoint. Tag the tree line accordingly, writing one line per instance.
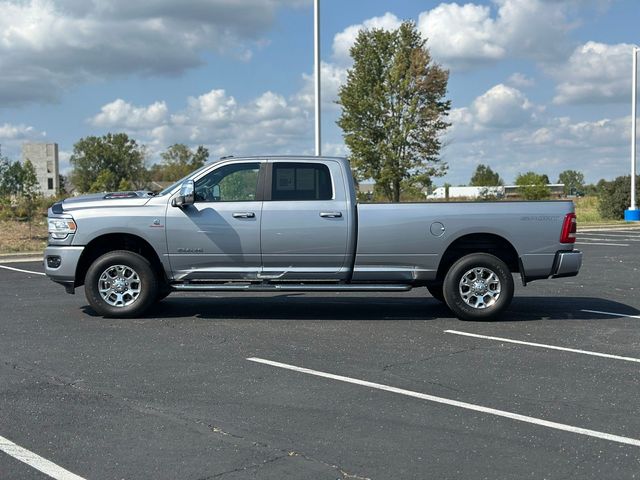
(117, 162)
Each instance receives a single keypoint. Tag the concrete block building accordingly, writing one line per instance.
(44, 157)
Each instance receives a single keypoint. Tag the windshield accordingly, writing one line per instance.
(179, 182)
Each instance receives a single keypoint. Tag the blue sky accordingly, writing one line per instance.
(538, 85)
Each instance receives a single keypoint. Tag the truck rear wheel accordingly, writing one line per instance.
(120, 284)
(478, 287)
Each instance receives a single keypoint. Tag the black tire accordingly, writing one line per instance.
(436, 292)
(136, 290)
(490, 297)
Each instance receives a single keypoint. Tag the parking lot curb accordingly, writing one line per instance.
(20, 257)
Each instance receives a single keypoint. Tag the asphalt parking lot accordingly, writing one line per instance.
(327, 386)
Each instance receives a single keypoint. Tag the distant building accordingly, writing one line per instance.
(556, 190)
(44, 157)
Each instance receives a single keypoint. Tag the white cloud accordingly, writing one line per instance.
(461, 36)
(595, 73)
(12, 136)
(499, 108)
(502, 107)
(520, 80)
(503, 129)
(332, 76)
(269, 123)
(48, 46)
(21, 131)
(344, 40)
(122, 113)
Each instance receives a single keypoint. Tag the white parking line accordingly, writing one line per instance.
(21, 270)
(609, 244)
(611, 234)
(455, 403)
(542, 345)
(611, 313)
(36, 461)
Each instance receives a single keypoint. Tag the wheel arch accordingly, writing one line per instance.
(117, 241)
(490, 243)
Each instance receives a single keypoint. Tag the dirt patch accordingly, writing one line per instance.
(15, 236)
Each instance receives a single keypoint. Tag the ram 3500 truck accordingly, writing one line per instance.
(293, 224)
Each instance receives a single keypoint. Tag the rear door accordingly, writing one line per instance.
(305, 221)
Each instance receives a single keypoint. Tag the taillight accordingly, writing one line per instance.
(568, 234)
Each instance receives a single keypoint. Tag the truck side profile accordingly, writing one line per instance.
(293, 224)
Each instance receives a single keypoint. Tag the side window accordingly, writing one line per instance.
(236, 182)
(301, 181)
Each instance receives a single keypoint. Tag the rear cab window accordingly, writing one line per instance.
(296, 181)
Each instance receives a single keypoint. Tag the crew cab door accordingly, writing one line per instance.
(305, 221)
(218, 237)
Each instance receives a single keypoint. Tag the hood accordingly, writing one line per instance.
(100, 200)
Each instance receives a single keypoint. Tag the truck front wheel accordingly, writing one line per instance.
(478, 287)
(120, 284)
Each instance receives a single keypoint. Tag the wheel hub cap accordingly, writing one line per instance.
(119, 285)
(480, 287)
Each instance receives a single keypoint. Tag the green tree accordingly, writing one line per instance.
(394, 109)
(110, 159)
(485, 177)
(29, 192)
(533, 186)
(615, 197)
(573, 181)
(178, 161)
(11, 174)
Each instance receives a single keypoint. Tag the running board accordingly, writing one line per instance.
(260, 287)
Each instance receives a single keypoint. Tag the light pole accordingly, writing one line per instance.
(316, 55)
(633, 214)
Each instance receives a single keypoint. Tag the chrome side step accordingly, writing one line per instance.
(262, 287)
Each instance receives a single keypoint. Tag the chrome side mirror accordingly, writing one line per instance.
(186, 195)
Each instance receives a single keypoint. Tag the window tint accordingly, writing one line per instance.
(301, 181)
(237, 182)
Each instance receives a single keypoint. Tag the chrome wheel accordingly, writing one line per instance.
(480, 287)
(119, 285)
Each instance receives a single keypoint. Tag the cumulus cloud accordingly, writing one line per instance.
(505, 130)
(332, 76)
(269, 123)
(122, 113)
(462, 36)
(12, 136)
(520, 80)
(499, 108)
(594, 73)
(344, 40)
(47, 46)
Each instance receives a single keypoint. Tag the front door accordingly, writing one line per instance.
(218, 237)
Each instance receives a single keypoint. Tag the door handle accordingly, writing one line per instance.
(331, 214)
(244, 215)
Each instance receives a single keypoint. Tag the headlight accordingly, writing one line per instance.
(59, 228)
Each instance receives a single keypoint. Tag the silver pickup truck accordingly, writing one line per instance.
(293, 224)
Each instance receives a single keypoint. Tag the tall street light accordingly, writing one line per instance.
(316, 55)
(633, 214)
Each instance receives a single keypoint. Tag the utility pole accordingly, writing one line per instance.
(633, 214)
(316, 55)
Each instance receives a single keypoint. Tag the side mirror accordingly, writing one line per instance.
(186, 195)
